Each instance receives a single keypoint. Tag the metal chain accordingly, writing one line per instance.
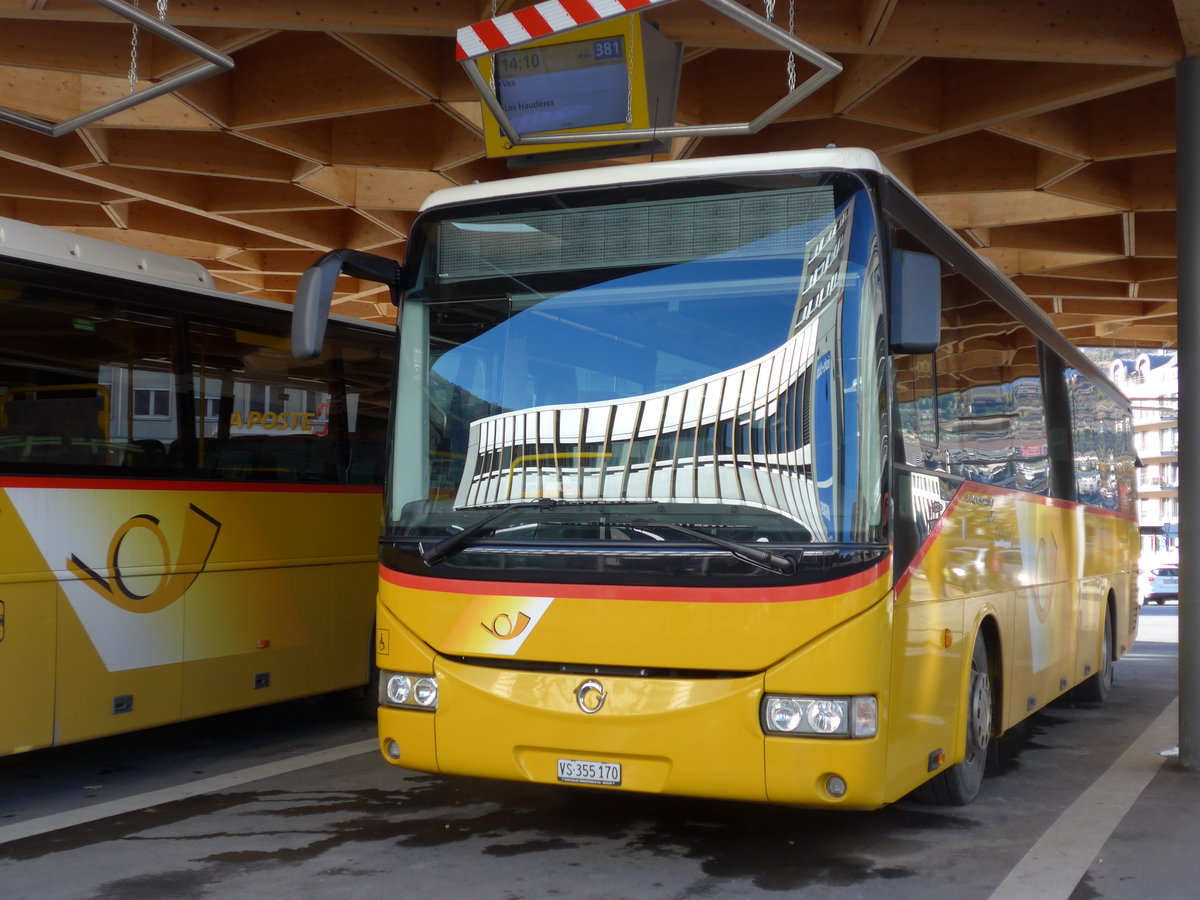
(791, 60)
(629, 76)
(133, 50)
(770, 13)
(495, 59)
(133, 43)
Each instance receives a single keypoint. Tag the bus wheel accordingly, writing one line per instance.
(1096, 688)
(959, 785)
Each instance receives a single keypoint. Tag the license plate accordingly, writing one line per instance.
(583, 771)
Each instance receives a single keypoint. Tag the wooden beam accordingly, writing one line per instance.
(1119, 308)
(43, 94)
(201, 153)
(415, 62)
(396, 139)
(230, 196)
(993, 208)
(1077, 31)
(1097, 235)
(975, 163)
(1014, 261)
(1105, 184)
(875, 17)
(842, 131)
(273, 83)
(1128, 269)
(1138, 122)
(1050, 286)
(96, 48)
(17, 180)
(1155, 234)
(911, 100)
(443, 17)
(1187, 13)
(864, 74)
(1066, 131)
(396, 190)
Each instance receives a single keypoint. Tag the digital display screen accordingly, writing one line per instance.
(560, 86)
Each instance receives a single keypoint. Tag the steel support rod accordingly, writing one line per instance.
(1187, 155)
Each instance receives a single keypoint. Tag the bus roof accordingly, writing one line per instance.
(935, 232)
(24, 242)
(751, 163)
(20, 240)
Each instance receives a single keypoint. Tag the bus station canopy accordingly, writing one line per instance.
(1042, 130)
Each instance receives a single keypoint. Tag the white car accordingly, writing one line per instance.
(1160, 584)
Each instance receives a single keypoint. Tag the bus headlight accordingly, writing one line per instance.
(844, 717)
(425, 693)
(407, 690)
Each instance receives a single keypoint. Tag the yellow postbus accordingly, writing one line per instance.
(739, 478)
(189, 515)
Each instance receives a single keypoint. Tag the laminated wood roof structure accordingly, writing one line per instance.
(1042, 130)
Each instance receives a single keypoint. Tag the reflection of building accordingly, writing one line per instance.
(744, 436)
(759, 435)
(1151, 382)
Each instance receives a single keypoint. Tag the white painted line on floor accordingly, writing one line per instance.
(83, 815)
(1053, 867)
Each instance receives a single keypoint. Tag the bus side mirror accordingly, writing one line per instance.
(915, 302)
(314, 294)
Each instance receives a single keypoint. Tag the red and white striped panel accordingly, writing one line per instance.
(540, 20)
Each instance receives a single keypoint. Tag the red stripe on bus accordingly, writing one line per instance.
(643, 593)
(117, 483)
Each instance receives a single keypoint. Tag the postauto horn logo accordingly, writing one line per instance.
(199, 537)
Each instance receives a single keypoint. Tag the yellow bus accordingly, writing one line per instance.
(189, 515)
(739, 478)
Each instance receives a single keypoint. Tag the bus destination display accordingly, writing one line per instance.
(560, 86)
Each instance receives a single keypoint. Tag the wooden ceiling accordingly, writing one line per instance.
(1043, 130)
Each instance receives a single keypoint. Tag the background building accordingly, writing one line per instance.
(1151, 382)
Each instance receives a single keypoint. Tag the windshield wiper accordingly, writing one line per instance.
(756, 556)
(451, 544)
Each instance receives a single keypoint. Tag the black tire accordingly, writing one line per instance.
(959, 784)
(1097, 688)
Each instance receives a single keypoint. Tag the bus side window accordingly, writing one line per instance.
(916, 382)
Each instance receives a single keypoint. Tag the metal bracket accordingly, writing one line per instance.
(215, 62)
(512, 30)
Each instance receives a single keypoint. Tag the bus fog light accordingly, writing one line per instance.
(866, 717)
(425, 693)
(399, 689)
(835, 786)
(392, 749)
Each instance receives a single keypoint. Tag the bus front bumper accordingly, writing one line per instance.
(694, 737)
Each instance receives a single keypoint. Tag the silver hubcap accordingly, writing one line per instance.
(980, 726)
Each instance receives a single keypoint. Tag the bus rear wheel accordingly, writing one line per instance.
(959, 784)
(1096, 689)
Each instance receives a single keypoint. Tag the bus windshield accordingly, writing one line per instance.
(705, 354)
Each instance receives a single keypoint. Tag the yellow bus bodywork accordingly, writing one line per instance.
(118, 617)
(1047, 574)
